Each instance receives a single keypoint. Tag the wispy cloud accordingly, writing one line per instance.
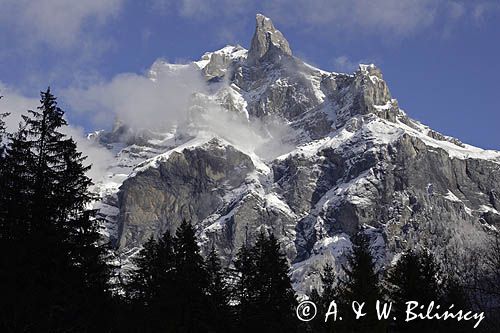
(176, 95)
(54, 41)
(482, 9)
(138, 100)
(384, 18)
(395, 17)
(16, 104)
(54, 23)
(344, 64)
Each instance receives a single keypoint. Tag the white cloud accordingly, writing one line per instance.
(57, 23)
(384, 18)
(137, 100)
(346, 64)
(97, 156)
(16, 104)
(396, 17)
(176, 95)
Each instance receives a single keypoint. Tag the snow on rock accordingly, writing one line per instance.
(329, 250)
(339, 171)
(452, 197)
(454, 151)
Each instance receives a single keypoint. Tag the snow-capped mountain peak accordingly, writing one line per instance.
(312, 156)
(267, 40)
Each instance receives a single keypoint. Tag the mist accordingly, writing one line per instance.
(178, 95)
(138, 100)
(266, 140)
(98, 156)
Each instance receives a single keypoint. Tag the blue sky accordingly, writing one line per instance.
(441, 58)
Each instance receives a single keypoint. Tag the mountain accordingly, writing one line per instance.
(312, 156)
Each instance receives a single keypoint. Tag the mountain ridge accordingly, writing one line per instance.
(354, 161)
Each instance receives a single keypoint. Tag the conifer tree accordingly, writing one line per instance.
(152, 286)
(267, 299)
(218, 293)
(361, 284)
(414, 278)
(16, 258)
(175, 289)
(246, 289)
(192, 281)
(162, 309)
(490, 284)
(454, 292)
(43, 206)
(143, 283)
(3, 144)
(16, 181)
(322, 300)
(3, 135)
(328, 279)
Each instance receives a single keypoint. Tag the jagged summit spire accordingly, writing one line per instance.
(265, 39)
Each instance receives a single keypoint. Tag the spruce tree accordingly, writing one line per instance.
(16, 180)
(174, 289)
(322, 300)
(361, 284)
(43, 206)
(415, 277)
(454, 292)
(245, 289)
(218, 293)
(3, 144)
(488, 283)
(267, 299)
(152, 286)
(143, 281)
(318, 323)
(192, 281)
(17, 304)
(328, 279)
(3, 135)
(162, 310)
(277, 295)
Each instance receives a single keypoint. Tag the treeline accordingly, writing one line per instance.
(415, 277)
(56, 276)
(174, 289)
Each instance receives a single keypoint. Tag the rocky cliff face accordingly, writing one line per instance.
(267, 42)
(355, 162)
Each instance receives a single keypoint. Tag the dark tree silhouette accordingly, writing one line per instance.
(361, 284)
(152, 287)
(192, 278)
(58, 257)
(322, 300)
(266, 298)
(176, 289)
(218, 293)
(3, 134)
(416, 277)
